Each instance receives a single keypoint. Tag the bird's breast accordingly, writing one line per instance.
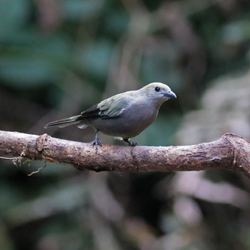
(130, 123)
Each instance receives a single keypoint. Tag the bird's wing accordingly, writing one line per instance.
(108, 108)
(91, 112)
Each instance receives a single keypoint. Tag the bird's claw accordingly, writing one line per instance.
(130, 143)
(95, 143)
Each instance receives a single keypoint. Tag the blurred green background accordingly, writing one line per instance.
(59, 57)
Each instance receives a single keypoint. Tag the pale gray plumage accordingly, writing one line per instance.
(123, 115)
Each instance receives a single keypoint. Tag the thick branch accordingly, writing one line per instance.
(229, 152)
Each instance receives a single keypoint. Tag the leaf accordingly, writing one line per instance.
(79, 9)
(236, 32)
(13, 15)
(27, 71)
(95, 58)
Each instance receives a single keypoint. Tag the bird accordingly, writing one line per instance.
(123, 115)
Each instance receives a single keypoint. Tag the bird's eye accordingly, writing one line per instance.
(157, 89)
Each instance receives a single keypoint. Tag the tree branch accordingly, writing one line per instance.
(229, 152)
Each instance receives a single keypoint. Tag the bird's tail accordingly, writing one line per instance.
(65, 122)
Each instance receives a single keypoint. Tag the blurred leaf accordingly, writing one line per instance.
(32, 38)
(13, 15)
(27, 71)
(236, 32)
(95, 58)
(32, 59)
(79, 9)
(51, 201)
(116, 22)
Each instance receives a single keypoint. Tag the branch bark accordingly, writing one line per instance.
(230, 152)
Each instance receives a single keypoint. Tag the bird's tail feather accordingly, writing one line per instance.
(65, 122)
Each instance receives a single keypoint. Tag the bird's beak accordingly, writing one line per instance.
(170, 94)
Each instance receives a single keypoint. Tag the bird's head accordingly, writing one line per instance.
(159, 92)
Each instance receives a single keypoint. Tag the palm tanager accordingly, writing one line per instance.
(123, 115)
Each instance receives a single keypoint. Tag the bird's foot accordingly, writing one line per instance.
(130, 143)
(95, 143)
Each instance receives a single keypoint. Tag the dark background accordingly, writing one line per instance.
(59, 57)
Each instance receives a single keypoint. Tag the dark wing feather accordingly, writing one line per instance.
(108, 108)
(92, 112)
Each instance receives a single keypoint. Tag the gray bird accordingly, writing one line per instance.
(123, 115)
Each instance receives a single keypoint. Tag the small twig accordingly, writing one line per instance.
(11, 158)
(37, 171)
(15, 160)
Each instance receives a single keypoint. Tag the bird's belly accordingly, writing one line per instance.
(123, 126)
